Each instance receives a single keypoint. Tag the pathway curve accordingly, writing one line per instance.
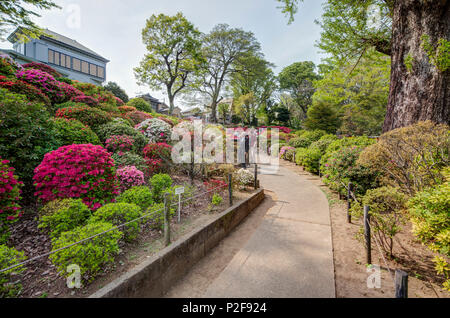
(289, 254)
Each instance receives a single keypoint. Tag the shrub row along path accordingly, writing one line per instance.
(283, 249)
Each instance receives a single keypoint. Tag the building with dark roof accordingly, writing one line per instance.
(67, 56)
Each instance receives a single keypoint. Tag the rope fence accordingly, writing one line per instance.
(400, 279)
(145, 215)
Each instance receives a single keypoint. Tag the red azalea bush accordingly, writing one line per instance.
(8, 66)
(153, 166)
(42, 67)
(77, 171)
(119, 102)
(88, 100)
(120, 143)
(159, 150)
(20, 87)
(125, 109)
(97, 92)
(89, 116)
(214, 184)
(137, 116)
(9, 194)
(282, 129)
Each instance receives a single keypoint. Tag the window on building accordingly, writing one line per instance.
(93, 70)
(76, 64)
(85, 67)
(51, 56)
(100, 72)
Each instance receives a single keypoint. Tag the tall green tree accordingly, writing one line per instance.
(297, 80)
(415, 34)
(359, 95)
(18, 13)
(322, 116)
(253, 75)
(118, 91)
(222, 48)
(173, 45)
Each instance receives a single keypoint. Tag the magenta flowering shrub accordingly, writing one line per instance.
(68, 92)
(285, 150)
(120, 143)
(9, 194)
(88, 100)
(77, 171)
(42, 80)
(130, 176)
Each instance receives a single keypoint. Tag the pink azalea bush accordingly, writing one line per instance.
(9, 194)
(42, 80)
(129, 176)
(88, 100)
(284, 150)
(77, 171)
(119, 143)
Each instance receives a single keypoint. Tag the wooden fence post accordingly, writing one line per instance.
(256, 176)
(401, 284)
(230, 188)
(166, 220)
(349, 202)
(367, 234)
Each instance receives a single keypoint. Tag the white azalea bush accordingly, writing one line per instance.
(155, 129)
(244, 178)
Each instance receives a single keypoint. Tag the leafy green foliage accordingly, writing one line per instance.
(118, 91)
(140, 104)
(26, 134)
(216, 199)
(311, 160)
(411, 158)
(120, 213)
(92, 255)
(18, 13)
(92, 117)
(300, 154)
(322, 117)
(387, 210)
(440, 55)
(69, 215)
(306, 138)
(130, 159)
(141, 196)
(297, 79)
(358, 95)
(10, 257)
(160, 183)
(122, 128)
(173, 46)
(72, 131)
(156, 215)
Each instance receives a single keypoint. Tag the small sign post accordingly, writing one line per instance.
(179, 191)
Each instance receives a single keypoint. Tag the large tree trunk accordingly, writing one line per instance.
(214, 111)
(171, 103)
(423, 92)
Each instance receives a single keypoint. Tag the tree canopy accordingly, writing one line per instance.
(14, 14)
(117, 91)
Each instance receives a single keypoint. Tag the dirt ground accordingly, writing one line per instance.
(349, 257)
(41, 279)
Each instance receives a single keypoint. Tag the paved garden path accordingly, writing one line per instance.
(289, 253)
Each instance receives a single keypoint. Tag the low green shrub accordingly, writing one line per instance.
(72, 131)
(306, 138)
(140, 104)
(10, 257)
(300, 154)
(70, 214)
(160, 183)
(156, 215)
(216, 199)
(311, 160)
(120, 213)
(129, 159)
(141, 196)
(429, 210)
(119, 127)
(92, 255)
(92, 117)
(387, 211)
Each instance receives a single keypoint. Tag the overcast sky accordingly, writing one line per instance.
(112, 28)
